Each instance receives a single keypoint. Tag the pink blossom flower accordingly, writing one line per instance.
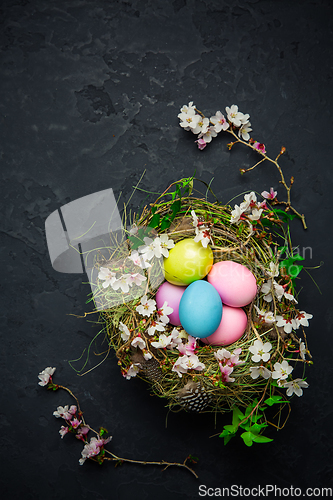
(82, 432)
(201, 143)
(72, 410)
(136, 278)
(259, 147)
(93, 448)
(75, 423)
(189, 347)
(63, 431)
(226, 370)
(269, 195)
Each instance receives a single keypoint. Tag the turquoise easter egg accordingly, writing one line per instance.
(200, 309)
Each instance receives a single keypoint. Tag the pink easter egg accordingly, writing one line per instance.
(231, 328)
(235, 283)
(171, 294)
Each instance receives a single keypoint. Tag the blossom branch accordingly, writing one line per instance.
(95, 449)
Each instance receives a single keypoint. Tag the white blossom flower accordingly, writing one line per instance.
(138, 342)
(302, 349)
(139, 260)
(180, 366)
(188, 109)
(132, 371)
(193, 363)
(250, 201)
(195, 218)
(45, 376)
(260, 350)
(290, 297)
(235, 116)
(166, 244)
(222, 355)
(125, 333)
(302, 318)
(107, 276)
(274, 269)
(148, 249)
(156, 325)
(164, 313)
(146, 354)
(175, 339)
(123, 282)
(208, 135)
(256, 371)
(255, 214)
(146, 307)
(203, 235)
(63, 412)
(267, 287)
(295, 386)
(236, 214)
(281, 370)
(219, 122)
(189, 119)
(163, 341)
(136, 278)
(269, 317)
(201, 126)
(156, 247)
(288, 324)
(244, 131)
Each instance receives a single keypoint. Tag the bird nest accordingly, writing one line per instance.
(247, 376)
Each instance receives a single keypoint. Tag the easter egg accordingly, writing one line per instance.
(200, 309)
(172, 295)
(235, 283)
(188, 261)
(232, 327)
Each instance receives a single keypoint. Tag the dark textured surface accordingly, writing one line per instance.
(90, 92)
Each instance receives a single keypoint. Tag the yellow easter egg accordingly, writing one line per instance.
(188, 261)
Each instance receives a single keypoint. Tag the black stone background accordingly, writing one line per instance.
(90, 92)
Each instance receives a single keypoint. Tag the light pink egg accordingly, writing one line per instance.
(233, 325)
(171, 294)
(235, 283)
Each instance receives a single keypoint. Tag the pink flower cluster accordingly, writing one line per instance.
(227, 361)
(74, 425)
(94, 448)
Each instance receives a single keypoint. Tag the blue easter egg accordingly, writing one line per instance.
(200, 309)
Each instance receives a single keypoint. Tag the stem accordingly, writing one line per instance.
(282, 181)
(115, 458)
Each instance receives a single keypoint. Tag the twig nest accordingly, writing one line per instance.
(217, 328)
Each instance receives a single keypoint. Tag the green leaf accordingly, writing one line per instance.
(261, 439)
(292, 269)
(166, 221)
(247, 438)
(273, 400)
(175, 207)
(266, 222)
(285, 216)
(155, 221)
